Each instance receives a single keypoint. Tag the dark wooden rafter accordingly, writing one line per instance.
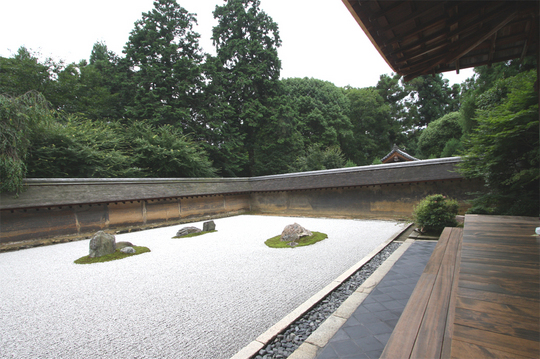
(459, 31)
(527, 41)
(475, 41)
(441, 35)
(425, 37)
(492, 49)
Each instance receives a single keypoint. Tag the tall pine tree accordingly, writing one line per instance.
(164, 57)
(244, 79)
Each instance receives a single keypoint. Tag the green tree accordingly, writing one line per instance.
(484, 79)
(164, 57)
(321, 110)
(315, 158)
(165, 152)
(503, 149)
(438, 133)
(370, 118)
(279, 140)
(394, 92)
(102, 92)
(432, 98)
(19, 118)
(80, 148)
(244, 78)
(23, 72)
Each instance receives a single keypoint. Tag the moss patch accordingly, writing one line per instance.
(195, 234)
(111, 257)
(275, 242)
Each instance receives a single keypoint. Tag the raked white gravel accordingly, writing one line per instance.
(202, 297)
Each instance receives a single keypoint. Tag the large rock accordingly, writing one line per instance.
(102, 244)
(187, 230)
(208, 226)
(293, 232)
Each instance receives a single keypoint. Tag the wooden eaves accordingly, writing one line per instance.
(427, 37)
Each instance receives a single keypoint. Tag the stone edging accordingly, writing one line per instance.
(324, 330)
(322, 335)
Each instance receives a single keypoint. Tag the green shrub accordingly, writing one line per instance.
(435, 212)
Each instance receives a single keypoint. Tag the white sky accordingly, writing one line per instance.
(320, 38)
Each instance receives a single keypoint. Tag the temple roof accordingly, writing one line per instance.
(397, 155)
(427, 37)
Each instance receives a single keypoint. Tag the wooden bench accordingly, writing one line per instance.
(424, 329)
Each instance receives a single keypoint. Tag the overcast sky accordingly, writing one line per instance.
(320, 38)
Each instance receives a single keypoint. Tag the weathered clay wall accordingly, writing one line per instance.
(71, 220)
(391, 201)
(62, 207)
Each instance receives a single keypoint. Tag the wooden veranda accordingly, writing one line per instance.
(479, 296)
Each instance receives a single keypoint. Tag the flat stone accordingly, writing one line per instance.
(129, 250)
(120, 245)
(187, 230)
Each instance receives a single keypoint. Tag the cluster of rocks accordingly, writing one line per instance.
(288, 341)
(207, 227)
(103, 243)
(292, 233)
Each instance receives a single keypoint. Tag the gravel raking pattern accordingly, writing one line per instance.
(286, 343)
(201, 297)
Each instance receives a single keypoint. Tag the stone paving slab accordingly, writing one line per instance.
(367, 330)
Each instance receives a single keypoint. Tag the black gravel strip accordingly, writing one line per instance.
(287, 342)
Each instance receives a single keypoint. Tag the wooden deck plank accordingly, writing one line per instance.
(449, 329)
(504, 248)
(498, 294)
(516, 257)
(501, 262)
(431, 334)
(401, 342)
(505, 343)
(509, 288)
(515, 300)
(507, 324)
(470, 350)
(502, 279)
(497, 308)
(490, 267)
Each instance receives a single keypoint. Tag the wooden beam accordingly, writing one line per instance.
(527, 41)
(471, 22)
(471, 44)
(413, 16)
(384, 11)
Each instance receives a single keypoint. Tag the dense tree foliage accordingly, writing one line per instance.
(23, 72)
(81, 148)
(19, 119)
(372, 126)
(503, 148)
(438, 133)
(315, 158)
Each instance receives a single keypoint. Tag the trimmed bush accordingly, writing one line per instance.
(435, 212)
